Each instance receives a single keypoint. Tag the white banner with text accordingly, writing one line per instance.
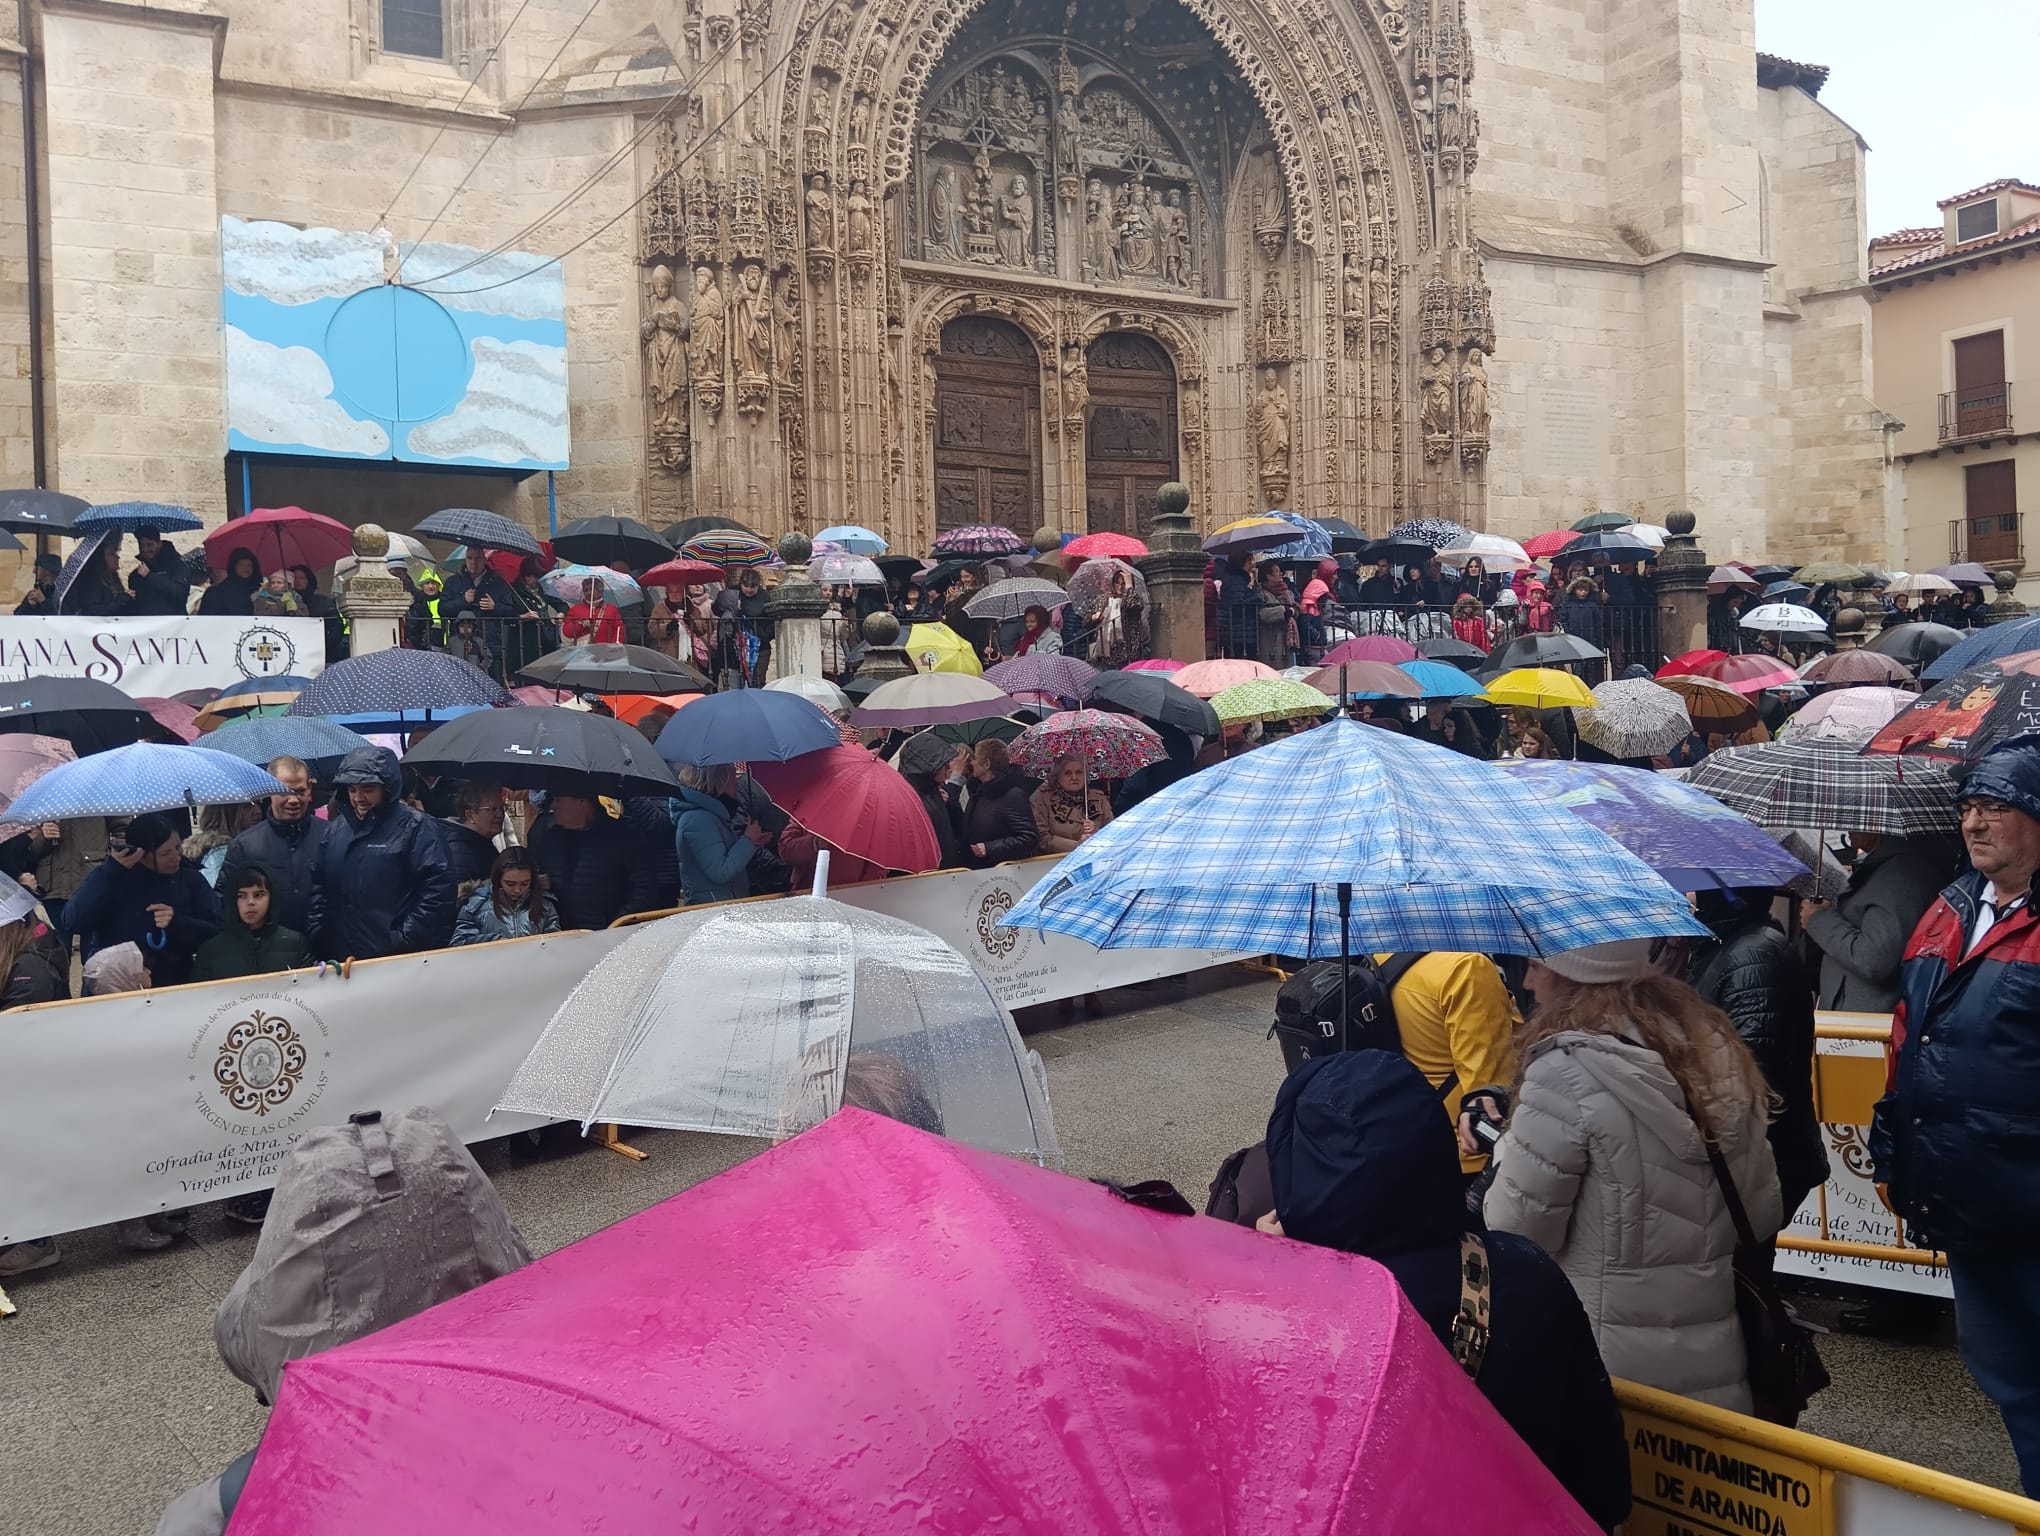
(158, 657)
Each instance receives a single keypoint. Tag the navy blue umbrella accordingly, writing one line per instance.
(145, 776)
(393, 690)
(473, 525)
(318, 744)
(133, 516)
(746, 725)
(1981, 645)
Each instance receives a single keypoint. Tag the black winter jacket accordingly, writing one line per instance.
(1001, 816)
(95, 595)
(1752, 974)
(286, 851)
(1584, 618)
(941, 816)
(164, 587)
(383, 885)
(650, 820)
(1362, 1162)
(111, 908)
(469, 855)
(239, 950)
(594, 877)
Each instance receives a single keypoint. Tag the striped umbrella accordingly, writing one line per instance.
(1269, 699)
(1713, 707)
(1113, 746)
(727, 547)
(979, 539)
(1250, 533)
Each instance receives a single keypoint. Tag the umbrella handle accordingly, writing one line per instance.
(159, 939)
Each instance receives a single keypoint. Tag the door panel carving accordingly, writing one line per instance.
(1130, 432)
(987, 427)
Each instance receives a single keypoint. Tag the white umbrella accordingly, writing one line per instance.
(1785, 619)
(818, 691)
(1848, 714)
(1926, 584)
(1492, 550)
(1648, 533)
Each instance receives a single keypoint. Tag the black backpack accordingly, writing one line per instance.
(1308, 1005)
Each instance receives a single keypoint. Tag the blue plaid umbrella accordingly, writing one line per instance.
(392, 690)
(1311, 542)
(473, 525)
(1691, 839)
(144, 777)
(1430, 849)
(1982, 645)
(132, 516)
(319, 744)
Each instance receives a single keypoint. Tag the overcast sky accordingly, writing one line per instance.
(1946, 94)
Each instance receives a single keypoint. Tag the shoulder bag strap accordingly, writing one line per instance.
(1469, 1340)
(1744, 1233)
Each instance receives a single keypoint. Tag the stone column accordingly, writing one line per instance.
(797, 608)
(1681, 589)
(2005, 608)
(1174, 568)
(375, 606)
(1848, 629)
(884, 657)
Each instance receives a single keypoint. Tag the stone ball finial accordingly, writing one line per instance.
(1849, 621)
(1679, 524)
(795, 548)
(371, 541)
(1173, 499)
(881, 628)
(1047, 540)
(2004, 581)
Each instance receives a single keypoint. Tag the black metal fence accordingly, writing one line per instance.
(1627, 632)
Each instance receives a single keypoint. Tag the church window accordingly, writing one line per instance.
(1977, 220)
(414, 27)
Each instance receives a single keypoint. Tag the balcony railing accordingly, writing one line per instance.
(1983, 410)
(1992, 540)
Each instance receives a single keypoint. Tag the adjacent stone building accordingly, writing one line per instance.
(912, 263)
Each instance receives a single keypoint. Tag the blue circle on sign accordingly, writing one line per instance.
(396, 355)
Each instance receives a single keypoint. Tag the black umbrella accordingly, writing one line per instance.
(897, 565)
(1154, 698)
(92, 716)
(1346, 539)
(1399, 553)
(1546, 651)
(473, 525)
(679, 533)
(615, 669)
(1786, 592)
(30, 511)
(968, 733)
(599, 540)
(566, 751)
(1450, 648)
(860, 687)
(1772, 572)
(1915, 644)
(946, 573)
(1616, 544)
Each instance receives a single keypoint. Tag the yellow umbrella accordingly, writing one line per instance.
(1540, 688)
(938, 648)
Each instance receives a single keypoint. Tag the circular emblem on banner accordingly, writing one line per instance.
(264, 652)
(992, 905)
(260, 1064)
(999, 951)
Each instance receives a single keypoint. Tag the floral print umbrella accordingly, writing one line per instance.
(980, 539)
(1114, 746)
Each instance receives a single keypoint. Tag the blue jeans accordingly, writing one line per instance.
(1997, 1323)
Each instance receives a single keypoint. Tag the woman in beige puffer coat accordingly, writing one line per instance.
(1603, 1166)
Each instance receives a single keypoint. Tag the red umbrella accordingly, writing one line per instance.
(1545, 545)
(279, 537)
(1119, 546)
(854, 802)
(508, 564)
(683, 573)
(1690, 663)
(1745, 674)
(1388, 648)
(178, 719)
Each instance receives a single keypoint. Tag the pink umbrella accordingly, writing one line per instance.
(178, 719)
(1155, 664)
(1850, 714)
(1388, 648)
(26, 758)
(1118, 546)
(1208, 679)
(1545, 545)
(279, 537)
(882, 1331)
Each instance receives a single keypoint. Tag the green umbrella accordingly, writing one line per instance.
(1594, 522)
(1837, 571)
(968, 733)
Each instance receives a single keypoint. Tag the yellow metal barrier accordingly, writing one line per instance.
(1701, 1471)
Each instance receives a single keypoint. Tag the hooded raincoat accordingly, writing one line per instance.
(383, 883)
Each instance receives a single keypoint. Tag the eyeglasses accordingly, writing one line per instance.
(1984, 810)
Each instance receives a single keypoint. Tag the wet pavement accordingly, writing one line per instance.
(113, 1399)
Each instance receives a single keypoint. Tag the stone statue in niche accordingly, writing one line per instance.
(821, 215)
(1355, 286)
(945, 215)
(858, 222)
(1101, 236)
(1377, 287)
(1437, 391)
(751, 326)
(704, 341)
(1172, 234)
(786, 312)
(1016, 225)
(1271, 427)
(1136, 232)
(1069, 145)
(1473, 395)
(1349, 209)
(860, 119)
(664, 335)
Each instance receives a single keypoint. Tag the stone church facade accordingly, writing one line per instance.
(915, 263)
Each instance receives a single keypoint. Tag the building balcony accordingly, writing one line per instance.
(1990, 540)
(1984, 410)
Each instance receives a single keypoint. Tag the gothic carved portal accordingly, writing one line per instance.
(987, 427)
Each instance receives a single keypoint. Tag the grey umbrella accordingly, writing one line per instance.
(473, 525)
(32, 511)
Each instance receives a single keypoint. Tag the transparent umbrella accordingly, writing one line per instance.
(763, 1020)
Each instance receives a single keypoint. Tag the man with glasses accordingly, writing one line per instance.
(285, 843)
(1956, 1139)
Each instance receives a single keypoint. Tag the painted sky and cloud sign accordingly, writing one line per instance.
(465, 363)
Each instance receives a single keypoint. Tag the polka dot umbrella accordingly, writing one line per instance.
(396, 690)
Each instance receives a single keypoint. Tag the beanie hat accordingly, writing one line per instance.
(1601, 965)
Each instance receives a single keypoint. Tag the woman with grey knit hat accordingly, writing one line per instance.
(1624, 1076)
